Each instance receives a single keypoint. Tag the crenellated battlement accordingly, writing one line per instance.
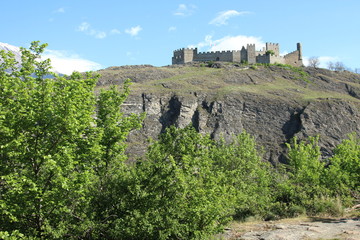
(248, 54)
(273, 44)
(184, 49)
(219, 52)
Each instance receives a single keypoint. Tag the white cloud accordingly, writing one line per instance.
(134, 31)
(86, 28)
(185, 10)
(83, 27)
(65, 62)
(115, 31)
(171, 29)
(229, 43)
(223, 17)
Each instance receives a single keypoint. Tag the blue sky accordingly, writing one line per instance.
(87, 35)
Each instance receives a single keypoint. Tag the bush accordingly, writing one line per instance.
(325, 206)
(270, 52)
(210, 63)
(342, 177)
(250, 176)
(173, 193)
(305, 168)
(55, 148)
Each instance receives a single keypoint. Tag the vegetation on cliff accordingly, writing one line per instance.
(63, 173)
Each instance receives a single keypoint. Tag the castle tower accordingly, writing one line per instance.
(251, 53)
(295, 58)
(273, 47)
(243, 54)
(184, 55)
(299, 48)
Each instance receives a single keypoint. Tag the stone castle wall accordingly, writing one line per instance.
(223, 56)
(293, 59)
(184, 55)
(265, 59)
(249, 55)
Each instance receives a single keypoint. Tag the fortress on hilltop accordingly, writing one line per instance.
(269, 54)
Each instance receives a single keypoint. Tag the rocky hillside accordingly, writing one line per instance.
(273, 103)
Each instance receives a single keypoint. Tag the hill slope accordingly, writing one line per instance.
(273, 103)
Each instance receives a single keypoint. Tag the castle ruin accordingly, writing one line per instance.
(269, 54)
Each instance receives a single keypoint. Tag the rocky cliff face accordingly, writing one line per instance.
(273, 104)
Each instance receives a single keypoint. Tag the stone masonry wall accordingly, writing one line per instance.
(249, 55)
(224, 56)
(293, 59)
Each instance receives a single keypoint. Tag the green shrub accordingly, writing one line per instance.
(342, 177)
(254, 67)
(325, 206)
(270, 52)
(250, 176)
(305, 167)
(280, 210)
(298, 71)
(173, 193)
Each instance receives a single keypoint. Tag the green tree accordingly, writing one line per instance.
(172, 193)
(342, 176)
(304, 190)
(305, 165)
(106, 198)
(270, 52)
(250, 176)
(52, 148)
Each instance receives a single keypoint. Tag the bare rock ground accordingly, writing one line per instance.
(297, 229)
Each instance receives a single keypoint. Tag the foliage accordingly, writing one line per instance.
(247, 173)
(53, 151)
(270, 52)
(321, 186)
(305, 165)
(298, 71)
(210, 63)
(297, 184)
(254, 67)
(172, 193)
(343, 174)
(63, 176)
(46, 144)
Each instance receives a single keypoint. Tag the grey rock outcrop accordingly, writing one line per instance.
(272, 123)
(327, 105)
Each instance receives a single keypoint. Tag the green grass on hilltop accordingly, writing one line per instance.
(271, 81)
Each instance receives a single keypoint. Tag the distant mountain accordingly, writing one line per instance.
(10, 48)
(16, 51)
